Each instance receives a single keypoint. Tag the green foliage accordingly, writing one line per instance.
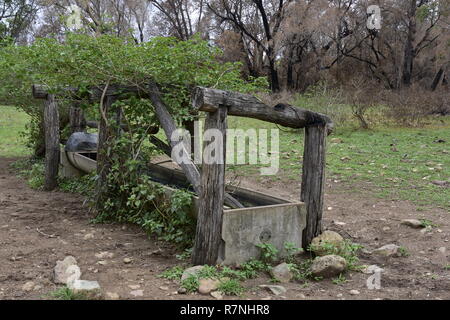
(84, 185)
(65, 293)
(427, 223)
(269, 254)
(291, 251)
(173, 273)
(231, 287)
(403, 252)
(348, 251)
(339, 280)
(12, 123)
(191, 283)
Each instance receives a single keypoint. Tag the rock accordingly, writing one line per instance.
(88, 236)
(282, 273)
(104, 255)
(91, 288)
(217, 295)
(102, 262)
(66, 270)
(182, 291)
(127, 260)
(354, 292)
(191, 271)
(327, 237)
(339, 223)
(28, 286)
(137, 293)
(134, 286)
(112, 296)
(328, 266)
(442, 250)
(164, 288)
(276, 290)
(427, 229)
(388, 250)
(208, 285)
(413, 223)
(386, 228)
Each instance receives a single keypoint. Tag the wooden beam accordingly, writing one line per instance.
(51, 127)
(313, 181)
(77, 122)
(208, 237)
(168, 124)
(243, 105)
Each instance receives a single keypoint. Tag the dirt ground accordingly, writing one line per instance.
(38, 228)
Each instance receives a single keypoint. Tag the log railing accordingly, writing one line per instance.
(209, 184)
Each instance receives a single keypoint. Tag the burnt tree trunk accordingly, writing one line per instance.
(208, 237)
(105, 137)
(51, 127)
(313, 180)
(77, 121)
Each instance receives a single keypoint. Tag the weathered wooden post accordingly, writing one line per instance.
(313, 180)
(208, 237)
(51, 127)
(104, 141)
(77, 121)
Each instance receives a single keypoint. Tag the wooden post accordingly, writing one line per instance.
(208, 238)
(105, 136)
(313, 180)
(77, 121)
(51, 127)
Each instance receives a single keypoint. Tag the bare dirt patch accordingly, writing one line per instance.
(38, 228)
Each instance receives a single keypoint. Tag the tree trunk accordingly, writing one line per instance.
(409, 54)
(313, 181)
(208, 238)
(437, 79)
(51, 125)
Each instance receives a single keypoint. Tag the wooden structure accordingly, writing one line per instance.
(209, 183)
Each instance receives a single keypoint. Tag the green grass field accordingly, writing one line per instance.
(12, 122)
(398, 163)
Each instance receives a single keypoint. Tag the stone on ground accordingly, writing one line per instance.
(282, 273)
(327, 238)
(66, 270)
(328, 266)
(28, 286)
(413, 223)
(388, 250)
(192, 271)
(276, 290)
(208, 285)
(217, 295)
(112, 296)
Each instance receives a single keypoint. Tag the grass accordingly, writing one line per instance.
(12, 123)
(64, 293)
(390, 163)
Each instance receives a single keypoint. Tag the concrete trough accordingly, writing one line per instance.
(265, 218)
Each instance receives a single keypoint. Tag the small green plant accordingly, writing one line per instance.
(427, 223)
(252, 268)
(191, 283)
(339, 280)
(447, 267)
(348, 250)
(185, 255)
(291, 251)
(403, 252)
(65, 293)
(231, 287)
(269, 254)
(173, 273)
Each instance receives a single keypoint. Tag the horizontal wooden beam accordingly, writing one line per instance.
(244, 105)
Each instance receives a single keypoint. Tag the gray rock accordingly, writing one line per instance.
(182, 291)
(354, 292)
(137, 293)
(191, 271)
(388, 250)
(66, 270)
(327, 237)
(276, 290)
(208, 285)
(217, 295)
(112, 296)
(413, 223)
(28, 286)
(328, 266)
(282, 273)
